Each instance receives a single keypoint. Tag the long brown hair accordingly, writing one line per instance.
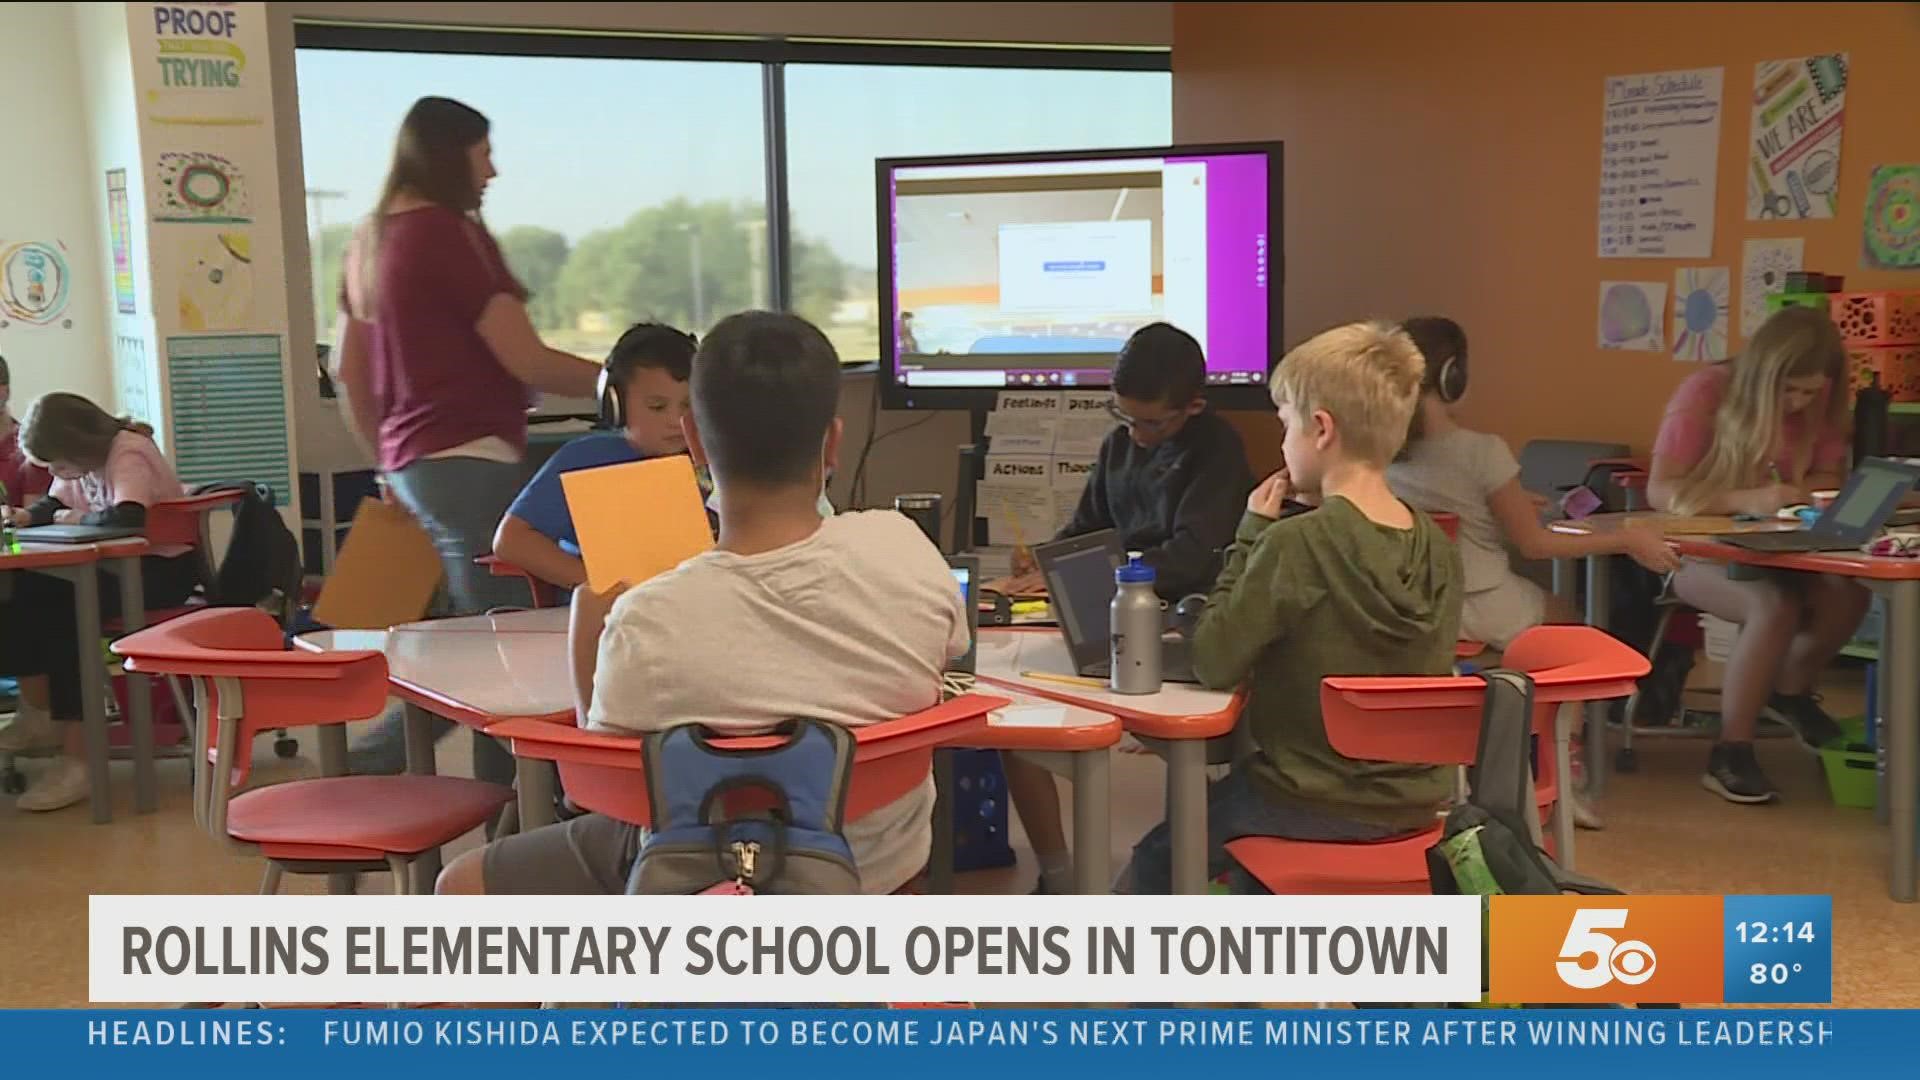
(1793, 344)
(431, 162)
(71, 429)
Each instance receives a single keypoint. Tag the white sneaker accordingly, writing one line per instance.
(32, 729)
(57, 788)
(1584, 815)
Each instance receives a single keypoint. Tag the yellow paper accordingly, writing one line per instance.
(636, 520)
(385, 575)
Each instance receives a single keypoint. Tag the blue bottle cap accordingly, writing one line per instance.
(1134, 572)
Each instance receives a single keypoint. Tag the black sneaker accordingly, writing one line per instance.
(1809, 722)
(1734, 774)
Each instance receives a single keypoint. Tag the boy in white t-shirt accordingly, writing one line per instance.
(849, 619)
(1446, 468)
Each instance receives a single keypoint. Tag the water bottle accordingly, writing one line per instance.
(1870, 411)
(1135, 615)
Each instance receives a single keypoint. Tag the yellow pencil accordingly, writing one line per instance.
(1064, 680)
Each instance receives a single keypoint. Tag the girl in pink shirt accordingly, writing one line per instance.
(1751, 436)
(106, 471)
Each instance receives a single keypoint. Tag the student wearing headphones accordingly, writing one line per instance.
(1446, 468)
(643, 396)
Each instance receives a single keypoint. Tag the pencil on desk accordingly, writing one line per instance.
(1064, 680)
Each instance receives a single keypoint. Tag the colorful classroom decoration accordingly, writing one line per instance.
(1793, 162)
(1700, 313)
(1890, 237)
(1764, 266)
(1633, 315)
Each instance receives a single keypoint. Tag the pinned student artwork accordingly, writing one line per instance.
(1700, 313)
(35, 281)
(1799, 107)
(1764, 266)
(120, 240)
(1890, 237)
(198, 187)
(199, 67)
(1633, 315)
(216, 282)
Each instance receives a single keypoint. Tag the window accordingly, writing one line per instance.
(841, 117)
(660, 214)
(669, 212)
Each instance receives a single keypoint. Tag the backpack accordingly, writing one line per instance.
(739, 821)
(1491, 844)
(262, 559)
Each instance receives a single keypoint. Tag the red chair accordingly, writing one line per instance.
(246, 683)
(1432, 721)
(538, 591)
(604, 773)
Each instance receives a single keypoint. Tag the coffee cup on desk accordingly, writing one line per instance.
(1824, 499)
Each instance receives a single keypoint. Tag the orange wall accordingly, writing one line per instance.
(1445, 158)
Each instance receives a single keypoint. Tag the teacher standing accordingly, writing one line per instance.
(439, 362)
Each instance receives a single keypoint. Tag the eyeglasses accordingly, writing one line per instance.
(1139, 424)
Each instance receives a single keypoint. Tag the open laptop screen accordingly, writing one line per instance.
(1084, 586)
(1876, 488)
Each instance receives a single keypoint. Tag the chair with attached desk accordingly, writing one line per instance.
(246, 683)
(1435, 721)
(540, 593)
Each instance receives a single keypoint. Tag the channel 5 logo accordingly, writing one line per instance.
(1597, 950)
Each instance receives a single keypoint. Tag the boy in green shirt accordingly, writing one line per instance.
(1362, 585)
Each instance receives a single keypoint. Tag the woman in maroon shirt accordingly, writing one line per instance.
(439, 361)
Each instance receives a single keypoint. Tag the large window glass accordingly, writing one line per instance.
(628, 189)
(636, 188)
(841, 117)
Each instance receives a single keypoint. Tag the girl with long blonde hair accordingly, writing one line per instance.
(1750, 436)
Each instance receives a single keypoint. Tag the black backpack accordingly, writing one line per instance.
(262, 563)
(1491, 843)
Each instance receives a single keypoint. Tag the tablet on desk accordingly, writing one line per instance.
(74, 534)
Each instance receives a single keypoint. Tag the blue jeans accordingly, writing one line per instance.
(1235, 808)
(459, 501)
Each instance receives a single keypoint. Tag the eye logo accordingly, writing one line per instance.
(1590, 959)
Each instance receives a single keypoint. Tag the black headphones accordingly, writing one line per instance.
(1451, 382)
(1435, 336)
(611, 389)
(613, 400)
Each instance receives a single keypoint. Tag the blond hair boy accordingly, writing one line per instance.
(1360, 585)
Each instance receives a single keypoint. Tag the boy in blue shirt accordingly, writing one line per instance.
(647, 374)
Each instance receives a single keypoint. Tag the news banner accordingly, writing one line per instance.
(946, 985)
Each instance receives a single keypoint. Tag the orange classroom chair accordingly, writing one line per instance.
(245, 683)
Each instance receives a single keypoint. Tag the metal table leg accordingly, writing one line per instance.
(1600, 617)
(1187, 813)
(534, 783)
(419, 726)
(333, 762)
(1563, 578)
(940, 859)
(133, 616)
(93, 683)
(1902, 731)
(1563, 720)
(1092, 813)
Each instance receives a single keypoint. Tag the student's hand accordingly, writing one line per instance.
(1649, 548)
(1022, 565)
(1770, 500)
(1272, 493)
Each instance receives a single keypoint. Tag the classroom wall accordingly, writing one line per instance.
(1446, 157)
(46, 194)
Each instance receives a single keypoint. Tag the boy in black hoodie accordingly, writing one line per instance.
(1172, 480)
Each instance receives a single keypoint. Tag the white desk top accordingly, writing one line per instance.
(478, 670)
(1005, 653)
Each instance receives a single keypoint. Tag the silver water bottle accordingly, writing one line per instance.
(1136, 621)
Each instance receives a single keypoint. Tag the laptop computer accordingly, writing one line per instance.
(74, 534)
(1080, 584)
(1851, 520)
(966, 574)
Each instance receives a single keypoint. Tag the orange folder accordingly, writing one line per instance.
(385, 574)
(636, 520)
